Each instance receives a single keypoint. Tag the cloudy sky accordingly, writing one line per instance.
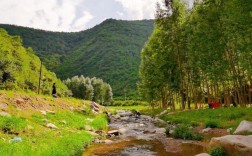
(72, 15)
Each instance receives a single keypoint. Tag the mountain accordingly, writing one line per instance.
(20, 68)
(110, 50)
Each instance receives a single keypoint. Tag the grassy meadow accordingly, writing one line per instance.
(23, 130)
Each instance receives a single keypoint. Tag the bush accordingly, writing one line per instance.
(218, 151)
(183, 132)
(211, 124)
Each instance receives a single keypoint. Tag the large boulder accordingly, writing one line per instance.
(234, 145)
(244, 127)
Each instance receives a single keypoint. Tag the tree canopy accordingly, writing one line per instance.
(199, 55)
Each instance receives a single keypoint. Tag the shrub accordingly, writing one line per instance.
(218, 151)
(211, 124)
(183, 132)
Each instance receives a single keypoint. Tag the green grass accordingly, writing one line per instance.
(222, 117)
(63, 143)
(30, 125)
(183, 132)
(12, 124)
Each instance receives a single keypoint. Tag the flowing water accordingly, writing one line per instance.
(140, 137)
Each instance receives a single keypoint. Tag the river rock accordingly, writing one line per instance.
(108, 141)
(229, 130)
(126, 118)
(160, 130)
(124, 113)
(234, 145)
(244, 127)
(122, 130)
(145, 117)
(52, 126)
(206, 130)
(203, 154)
(113, 132)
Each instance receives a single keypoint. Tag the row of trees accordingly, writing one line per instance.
(90, 89)
(199, 55)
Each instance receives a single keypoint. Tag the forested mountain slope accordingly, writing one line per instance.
(110, 51)
(20, 67)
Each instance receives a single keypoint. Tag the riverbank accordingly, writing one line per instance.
(41, 125)
(141, 136)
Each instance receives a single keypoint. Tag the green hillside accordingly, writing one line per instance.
(20, 67)
(110, 51)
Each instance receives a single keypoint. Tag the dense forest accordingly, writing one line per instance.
(200, 55)
(110, 51)
(20, 68)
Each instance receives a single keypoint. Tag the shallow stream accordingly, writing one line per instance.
(140, 137)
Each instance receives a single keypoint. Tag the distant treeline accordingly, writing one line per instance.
(90, 89)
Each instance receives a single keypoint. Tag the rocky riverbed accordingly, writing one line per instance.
(132, 135)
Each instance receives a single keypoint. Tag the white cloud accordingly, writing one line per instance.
(139, 9)
(73, 15)
(46, 14)
(81, 22)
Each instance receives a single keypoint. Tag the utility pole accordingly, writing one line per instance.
(40, 72)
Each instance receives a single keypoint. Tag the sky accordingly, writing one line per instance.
(73, 15)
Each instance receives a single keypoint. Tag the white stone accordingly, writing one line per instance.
(52, 126)
(113, 132)
(206, 130)
(244, 126)
(234, 145)
(229, 130)
(43, 112)
(49, 111)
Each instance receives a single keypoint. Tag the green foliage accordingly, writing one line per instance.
(211, 124)
(201, 55)
(218, 151)
(100, 122)
(183, 132)
(110, 51)
(90, 89)
(19, 68)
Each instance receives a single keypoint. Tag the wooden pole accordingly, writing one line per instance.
(40, 72)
